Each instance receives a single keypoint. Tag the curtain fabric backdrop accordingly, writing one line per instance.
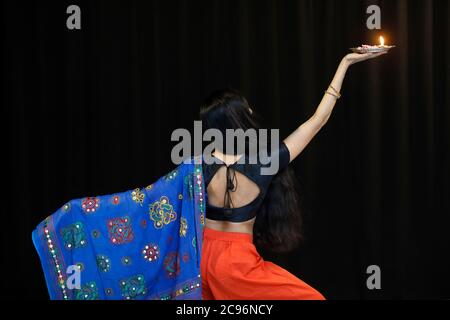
(91, 111)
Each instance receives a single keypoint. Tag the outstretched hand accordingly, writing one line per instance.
(353, 58)
(301, 137)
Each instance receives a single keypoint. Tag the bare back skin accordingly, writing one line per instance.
(245, 192)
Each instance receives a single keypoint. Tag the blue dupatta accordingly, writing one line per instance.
(140, 244)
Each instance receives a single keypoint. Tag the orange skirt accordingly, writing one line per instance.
(232, 269)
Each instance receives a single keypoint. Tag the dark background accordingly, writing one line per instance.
(91, 111)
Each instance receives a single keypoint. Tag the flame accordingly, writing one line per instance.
(381, 41)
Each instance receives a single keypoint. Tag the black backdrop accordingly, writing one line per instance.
(91, 111)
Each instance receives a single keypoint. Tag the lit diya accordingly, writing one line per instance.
(372, 49)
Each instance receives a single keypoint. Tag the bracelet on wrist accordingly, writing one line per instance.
(335, 93)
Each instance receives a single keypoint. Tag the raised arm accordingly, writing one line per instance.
(299, 139)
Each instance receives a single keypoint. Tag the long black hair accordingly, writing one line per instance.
(278, 221)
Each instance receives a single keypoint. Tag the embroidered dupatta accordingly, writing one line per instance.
(140, 244)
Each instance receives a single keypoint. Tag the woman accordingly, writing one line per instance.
(241, 200)
(155, 243)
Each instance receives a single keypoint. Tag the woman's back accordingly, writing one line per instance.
(236, 190)
(244, 193)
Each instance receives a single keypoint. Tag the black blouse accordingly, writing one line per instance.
(252, 172)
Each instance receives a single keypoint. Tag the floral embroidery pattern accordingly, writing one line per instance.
(172, 264)
(171, 175)
(161, 212)
(103, 263)
(88, 291)
(194, 243)
(126, 261)
(95, 234)
(80, 266)
(90, 204)
(133, 287)
(150, 252)
(116, 200)
(138, 196)
(88, 234)
(73, 236)
(189, 186)
(66, 207)
(183, 288)
(120, 230)
(183, 227)
(109, 291)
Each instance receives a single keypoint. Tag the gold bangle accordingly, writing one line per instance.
(332, 94)
(335, 91)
